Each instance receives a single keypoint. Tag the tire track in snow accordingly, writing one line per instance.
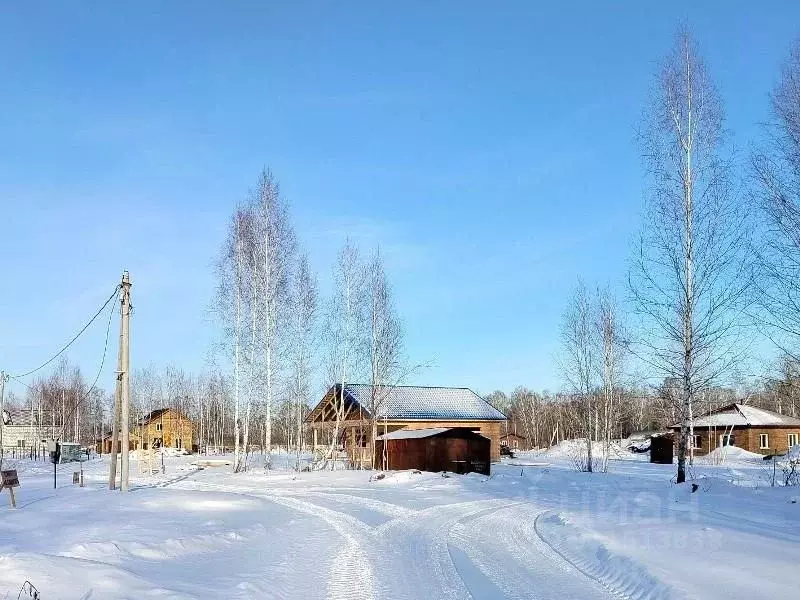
(350, 575)
(422, 539)
(386, 508)
(621, 576)
(491, 538)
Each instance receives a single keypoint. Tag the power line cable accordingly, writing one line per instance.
(97, 377)
(18, 380)
(77, 335)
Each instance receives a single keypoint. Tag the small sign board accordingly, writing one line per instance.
(76, 477)
(9, 479)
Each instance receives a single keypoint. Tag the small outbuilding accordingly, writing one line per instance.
(454, 449)
(661, 449)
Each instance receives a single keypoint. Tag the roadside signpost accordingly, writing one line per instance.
(9, 480)
(54, 447)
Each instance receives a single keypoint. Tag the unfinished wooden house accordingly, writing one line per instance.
(366, 412)
(164, 427)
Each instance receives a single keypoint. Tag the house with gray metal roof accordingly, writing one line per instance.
(365, 411)
(748, 427)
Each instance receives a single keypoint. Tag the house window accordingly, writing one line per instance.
(727, 440)
(763, 441)
(20, 443)
(696, 442)
(158, 426)
(792, 439)
(177, 442)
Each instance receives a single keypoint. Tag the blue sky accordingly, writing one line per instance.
(487, 147)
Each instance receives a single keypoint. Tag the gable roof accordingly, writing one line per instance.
(416, 403)
(159, 412)
(743, 415)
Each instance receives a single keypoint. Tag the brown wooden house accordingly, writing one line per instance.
(514, 441)
(399, 408)
(747, 427)
(165, 427)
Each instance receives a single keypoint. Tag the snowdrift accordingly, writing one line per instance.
(569, 449)
(731, 454)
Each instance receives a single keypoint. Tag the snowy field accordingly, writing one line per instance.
(534, 529)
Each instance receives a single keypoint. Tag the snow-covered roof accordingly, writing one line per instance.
(425, 403)
(409, 434)
(744, 415)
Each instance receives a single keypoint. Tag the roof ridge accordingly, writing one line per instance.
(424, 387)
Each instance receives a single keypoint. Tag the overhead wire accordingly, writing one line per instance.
(96, 378)
(68, 344)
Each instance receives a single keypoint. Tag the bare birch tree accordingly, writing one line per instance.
(776, 167)
(234, 282)
(345, 329)
(304, 310)
(385, 345)
(277, 245)
(611, 337)
(579, 362)
(688, 278)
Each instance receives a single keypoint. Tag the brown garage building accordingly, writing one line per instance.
(455, 449)
(399, 408)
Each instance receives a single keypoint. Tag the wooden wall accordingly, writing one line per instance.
(746, 438)
(453, 454)
(176, 430)
(489, 429)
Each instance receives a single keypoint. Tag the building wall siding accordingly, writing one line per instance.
(489, 429)
(175, 427)
(746, 438)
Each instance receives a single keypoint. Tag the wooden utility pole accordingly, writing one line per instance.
(112, 471)
(2, 413)
(125, 380)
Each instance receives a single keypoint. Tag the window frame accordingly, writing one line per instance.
(790, 437)
(763, 441)
(696, 441)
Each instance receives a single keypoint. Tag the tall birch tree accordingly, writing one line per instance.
(234, 272)
(304, 300)
(611, 338)
(385, 343)
(345, 329)
(688, 275)
(579, 362)
(277, 247)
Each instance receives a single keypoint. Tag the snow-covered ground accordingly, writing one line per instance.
(534, 529)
